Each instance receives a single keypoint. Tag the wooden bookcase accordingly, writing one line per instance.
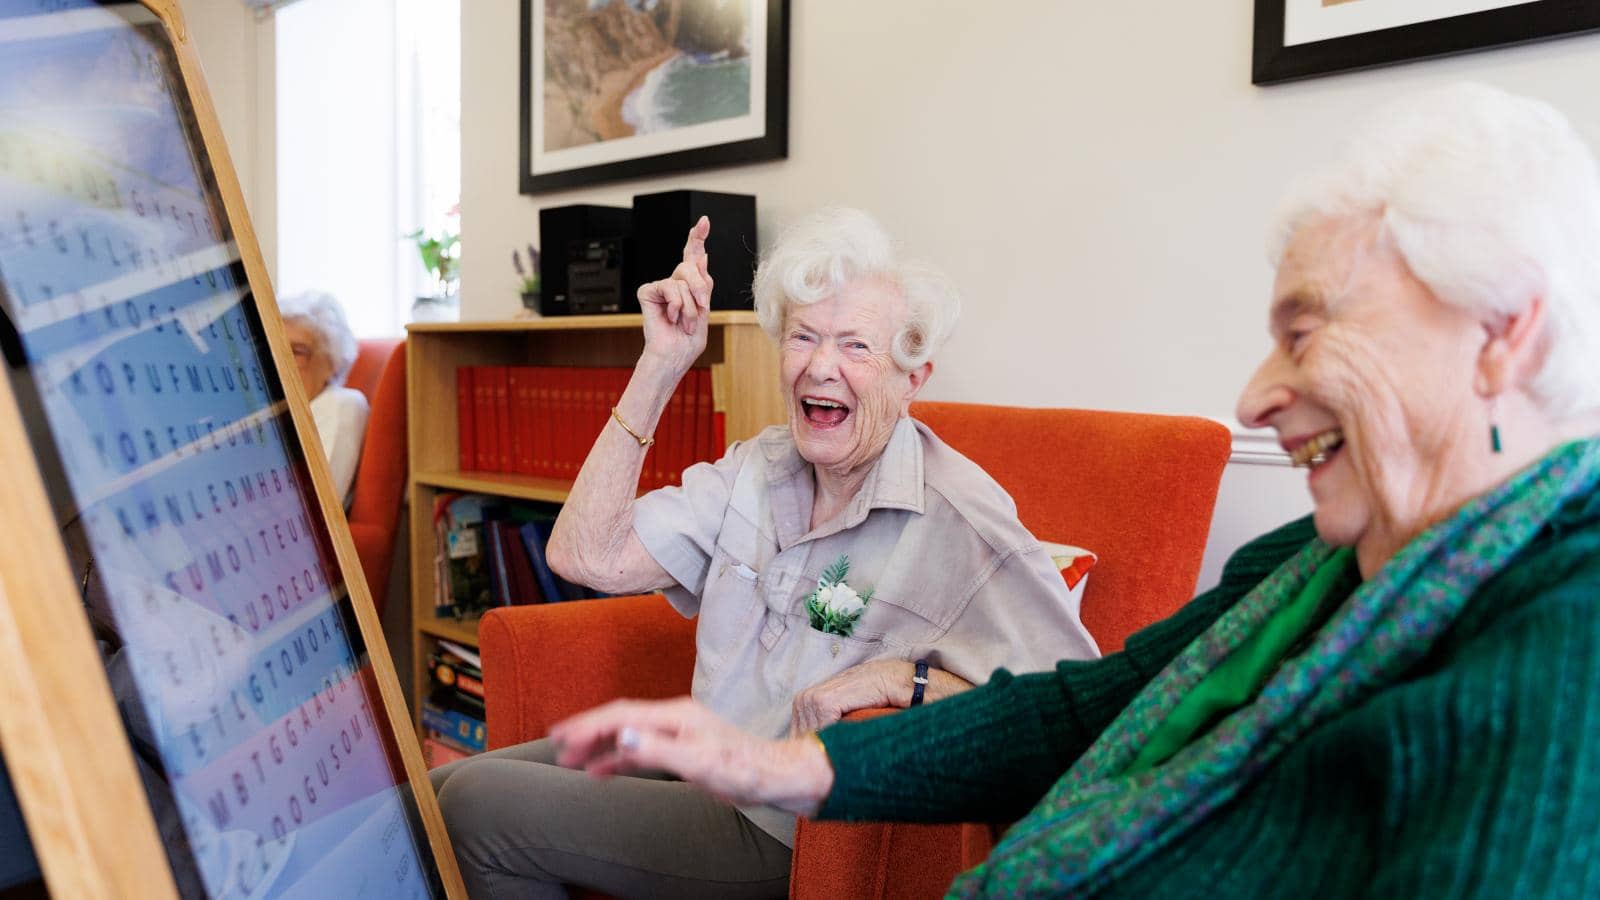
(744, 376)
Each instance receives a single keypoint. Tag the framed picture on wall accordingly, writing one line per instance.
(1301, 38)
(615, 89)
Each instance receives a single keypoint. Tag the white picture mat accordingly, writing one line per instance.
(746, 127)
(1305, 21)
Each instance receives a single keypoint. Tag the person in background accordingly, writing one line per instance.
(852, 490)
(324, 349)
(1397, 697)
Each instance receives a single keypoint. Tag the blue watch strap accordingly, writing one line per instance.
(919, 681)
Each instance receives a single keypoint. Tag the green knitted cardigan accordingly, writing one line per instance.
(1478, 775)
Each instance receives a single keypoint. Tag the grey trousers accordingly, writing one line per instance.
(524, 827)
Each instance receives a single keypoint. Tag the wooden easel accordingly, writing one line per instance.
(63, 740)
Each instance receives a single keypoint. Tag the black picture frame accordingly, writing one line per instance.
(1273, 62)
(773, 143)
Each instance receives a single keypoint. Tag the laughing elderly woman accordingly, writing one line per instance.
(1403, 703)
(854, 488)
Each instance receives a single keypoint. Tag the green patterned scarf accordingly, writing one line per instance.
(1097, 823)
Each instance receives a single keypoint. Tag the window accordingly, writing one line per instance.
(368, 148)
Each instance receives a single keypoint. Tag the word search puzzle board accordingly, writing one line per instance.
(198, 700)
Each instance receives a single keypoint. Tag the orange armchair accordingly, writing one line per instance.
(1136, 489)
(379, 372)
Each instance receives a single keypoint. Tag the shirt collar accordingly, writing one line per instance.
(895, 481)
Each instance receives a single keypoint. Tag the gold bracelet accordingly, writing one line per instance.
(643, 441)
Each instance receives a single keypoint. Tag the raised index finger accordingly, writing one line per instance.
(694, 250)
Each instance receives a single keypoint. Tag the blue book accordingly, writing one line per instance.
(535, 535)
(457, 726)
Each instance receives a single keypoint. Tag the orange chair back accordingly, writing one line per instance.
(1136, 489)
(380, 374)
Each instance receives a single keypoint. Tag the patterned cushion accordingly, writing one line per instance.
(1074, 564)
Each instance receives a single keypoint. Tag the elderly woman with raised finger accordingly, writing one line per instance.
(924, 562)
(1394, 698)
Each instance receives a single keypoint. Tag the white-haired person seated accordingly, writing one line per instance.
(324, 349)
(1397, 697)
(852, 481)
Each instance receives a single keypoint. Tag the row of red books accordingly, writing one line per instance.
(542, 420)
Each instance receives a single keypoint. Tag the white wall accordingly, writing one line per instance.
(1096, 177)
(236, 53)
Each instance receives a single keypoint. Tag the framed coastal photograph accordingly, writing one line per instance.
(615, 89)
(1301, 38)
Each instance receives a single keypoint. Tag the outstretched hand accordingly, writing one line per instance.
(684, 738)
(676, 307)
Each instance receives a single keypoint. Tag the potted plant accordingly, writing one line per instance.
(529, 276)
(441, 256)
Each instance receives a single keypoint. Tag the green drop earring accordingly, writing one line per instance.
(1494, 427)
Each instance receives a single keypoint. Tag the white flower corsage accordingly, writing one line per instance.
(834, 606)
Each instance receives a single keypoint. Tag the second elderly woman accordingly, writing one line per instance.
(852, 490)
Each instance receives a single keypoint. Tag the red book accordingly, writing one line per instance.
(521, 420)
(567, 423)
(705, 449)
(436, 752)
(502, 417)
(465, 405)
(524, 584)
(682, 429)
(539, 419)
(513, 423)
(484, 447)
(530, 418)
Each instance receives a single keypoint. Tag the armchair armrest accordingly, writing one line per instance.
(544, 662)
(881, 860)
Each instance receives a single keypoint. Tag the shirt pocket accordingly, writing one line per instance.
(819, 656)
(728, 609)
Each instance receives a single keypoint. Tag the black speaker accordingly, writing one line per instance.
(564, 234)
(661, 224)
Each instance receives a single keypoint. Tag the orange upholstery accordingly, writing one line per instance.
(1136, 489)
(379, 372)
(540, 662)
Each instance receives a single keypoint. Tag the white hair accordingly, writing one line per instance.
(321, 313)
(1492, 200)
(824, 251)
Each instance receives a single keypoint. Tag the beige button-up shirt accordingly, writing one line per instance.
(956, 578)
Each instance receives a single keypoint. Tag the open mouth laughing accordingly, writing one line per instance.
(1318, 449)
(822, 412)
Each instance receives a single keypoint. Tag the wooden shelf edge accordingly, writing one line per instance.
(462, 632)
(520, 487)
(570, 323)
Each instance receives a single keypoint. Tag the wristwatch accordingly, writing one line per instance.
(919, 681)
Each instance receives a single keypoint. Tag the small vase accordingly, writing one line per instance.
(435, 309)
(530, 301)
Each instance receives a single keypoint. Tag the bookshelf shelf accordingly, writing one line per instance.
(632, 321)
(462, 631)
(519, 487)
(744, 385)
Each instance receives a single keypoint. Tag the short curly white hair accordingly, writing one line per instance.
(824, 251)
(321, 313)
(1491, 199)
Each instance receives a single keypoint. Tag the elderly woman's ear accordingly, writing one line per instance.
(1514, 350)
(917, 378)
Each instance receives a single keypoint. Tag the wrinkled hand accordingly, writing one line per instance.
(865, 686)
(675, 308)
(684, 738)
